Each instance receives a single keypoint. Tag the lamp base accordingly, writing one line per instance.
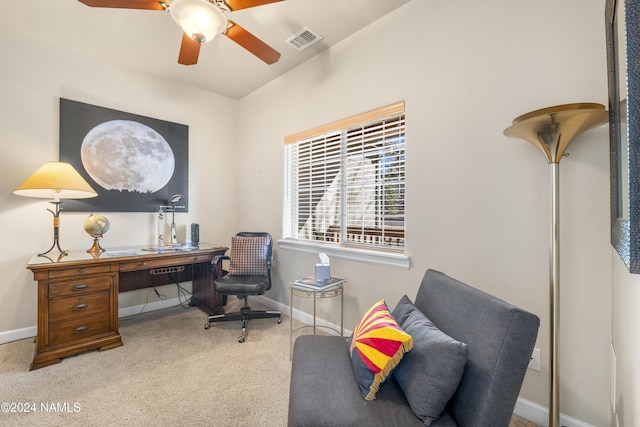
(56, 231)
(56, 244)
(96, 249)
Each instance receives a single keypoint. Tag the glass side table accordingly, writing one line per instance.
(309, 288)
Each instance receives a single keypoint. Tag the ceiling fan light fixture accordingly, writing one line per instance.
(199, 19)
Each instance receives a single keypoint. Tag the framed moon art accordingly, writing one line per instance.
(134, 163)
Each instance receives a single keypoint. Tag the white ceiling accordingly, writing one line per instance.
(150, 40)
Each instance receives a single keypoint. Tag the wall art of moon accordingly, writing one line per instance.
(127, 156)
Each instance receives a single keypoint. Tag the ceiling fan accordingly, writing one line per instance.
(201, 21)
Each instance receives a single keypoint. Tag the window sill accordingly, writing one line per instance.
(353, 254)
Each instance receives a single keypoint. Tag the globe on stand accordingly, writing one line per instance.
(96, 226)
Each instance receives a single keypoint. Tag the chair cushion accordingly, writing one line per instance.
(323, 391)
(376, 346)
(249, 255)
(431, 372)
(241, 285)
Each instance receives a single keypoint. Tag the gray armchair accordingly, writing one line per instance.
(500, 338)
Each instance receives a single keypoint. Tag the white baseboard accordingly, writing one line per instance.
(540, 414)
(307, 318)
(31, 331)
(18, 334)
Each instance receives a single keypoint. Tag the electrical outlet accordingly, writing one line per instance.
(534, 362)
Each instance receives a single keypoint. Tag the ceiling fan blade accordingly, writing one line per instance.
(245, 4)
(250, 42)
(126, 4)
(189, 51)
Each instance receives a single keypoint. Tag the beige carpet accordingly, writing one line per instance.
(170, 371)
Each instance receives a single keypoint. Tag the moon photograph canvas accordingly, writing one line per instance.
(134, 163)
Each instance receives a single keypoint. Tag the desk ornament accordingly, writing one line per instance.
(96, 226)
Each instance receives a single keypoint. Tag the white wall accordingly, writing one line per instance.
(477, 201)
(626, 330)
(33, 76)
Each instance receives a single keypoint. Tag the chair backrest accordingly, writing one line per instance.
(251, 255)
(500, 340)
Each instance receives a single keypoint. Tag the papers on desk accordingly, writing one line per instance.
(186, 247)
(122, 252)
(171, 248)
(156, 249)
(311, 283)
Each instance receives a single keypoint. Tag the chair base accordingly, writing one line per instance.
(245, 314)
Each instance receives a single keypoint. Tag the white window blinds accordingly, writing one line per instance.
(344, 182)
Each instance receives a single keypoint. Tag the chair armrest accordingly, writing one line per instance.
(218, 259)
(214, 264)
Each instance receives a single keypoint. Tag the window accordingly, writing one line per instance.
(344, 182)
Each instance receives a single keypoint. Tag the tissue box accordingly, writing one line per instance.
(323, 272)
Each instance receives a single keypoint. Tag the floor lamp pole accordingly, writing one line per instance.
(551, 130)
(554, 292)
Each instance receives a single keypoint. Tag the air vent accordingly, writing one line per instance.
(304, 39)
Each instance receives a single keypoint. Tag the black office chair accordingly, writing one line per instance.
(249, 274)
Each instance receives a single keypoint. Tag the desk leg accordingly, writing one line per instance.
(203, 296)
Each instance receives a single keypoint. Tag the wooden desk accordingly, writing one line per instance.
(78, 294)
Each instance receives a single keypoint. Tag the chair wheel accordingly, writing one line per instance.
(241, 340)
(279, 320)
(207, 325)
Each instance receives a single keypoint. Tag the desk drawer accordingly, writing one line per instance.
(78, 306)
(56, 273)
(164, 262)
(80, 286)
(75, 329)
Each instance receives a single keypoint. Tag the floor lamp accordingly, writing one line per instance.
(551, 130)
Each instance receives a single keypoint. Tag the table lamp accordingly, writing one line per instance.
(56, 180)
(551, 130)
(172, 205)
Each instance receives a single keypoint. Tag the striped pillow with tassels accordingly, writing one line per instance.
(376, 346)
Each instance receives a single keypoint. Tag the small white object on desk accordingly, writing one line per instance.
(122, 252)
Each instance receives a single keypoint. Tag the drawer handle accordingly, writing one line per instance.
(80, 287)
(80, 329)
(81, 270)
(143, 263)
(79, 307)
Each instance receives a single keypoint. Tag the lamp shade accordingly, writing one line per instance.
(552, 129)
(199, 19)
(56, 180)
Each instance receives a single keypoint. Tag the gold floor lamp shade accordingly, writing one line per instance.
(551, 130)
(56, 181)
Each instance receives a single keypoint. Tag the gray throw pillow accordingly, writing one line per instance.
(430, 373)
